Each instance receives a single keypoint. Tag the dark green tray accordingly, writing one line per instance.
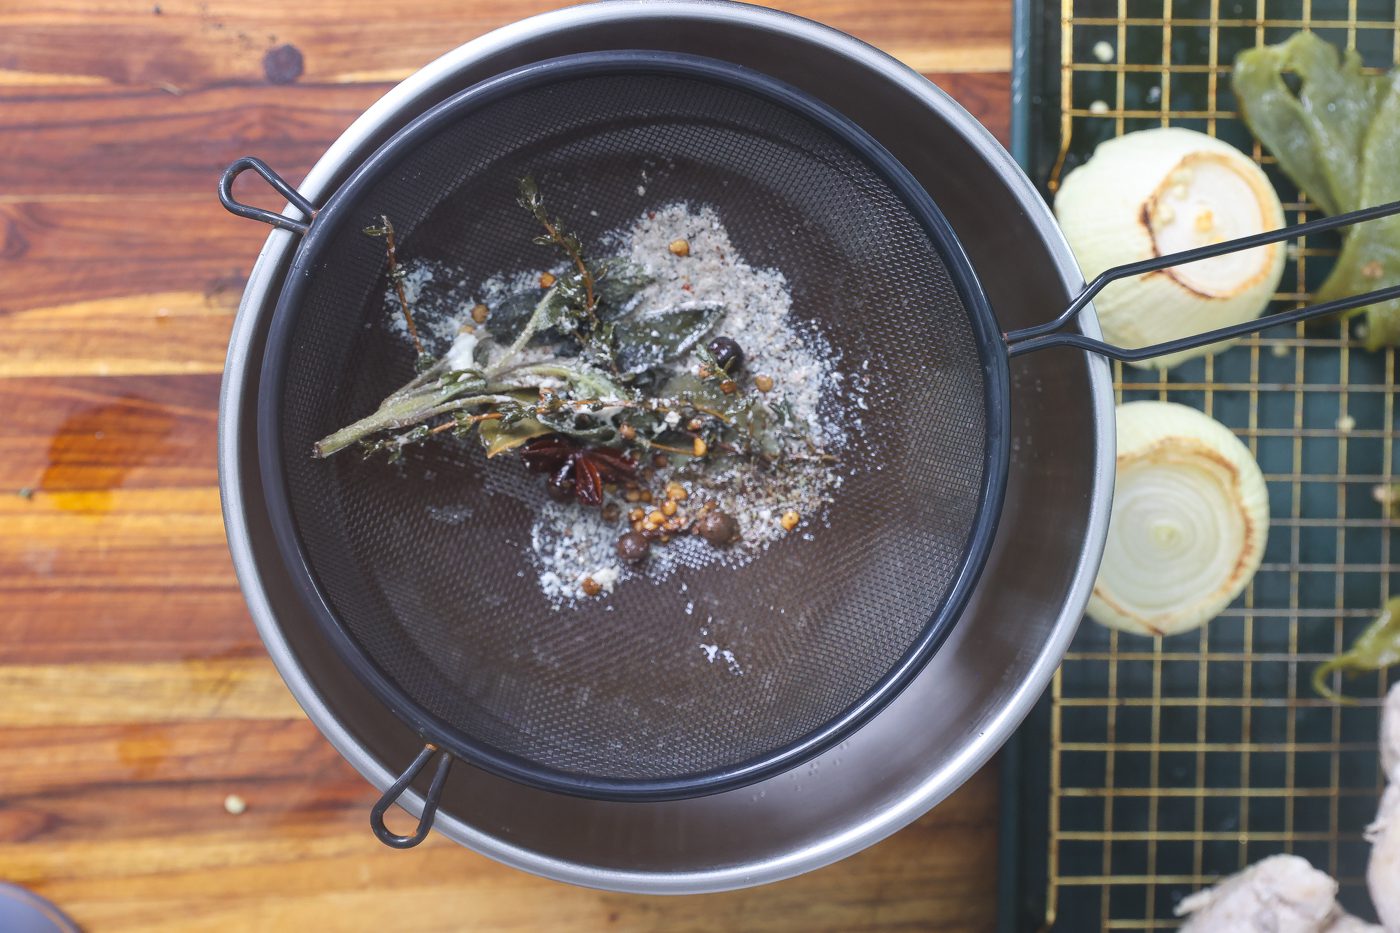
(1154, 766)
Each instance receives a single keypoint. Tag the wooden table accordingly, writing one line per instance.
(134, 692)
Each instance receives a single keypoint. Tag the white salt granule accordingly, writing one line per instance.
(461, 354)
(715, 652)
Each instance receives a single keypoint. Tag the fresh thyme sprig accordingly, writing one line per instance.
(396, 276)
(531, 200)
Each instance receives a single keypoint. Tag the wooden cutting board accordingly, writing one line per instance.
(134, 693)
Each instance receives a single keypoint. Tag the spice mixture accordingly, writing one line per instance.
(617, 513)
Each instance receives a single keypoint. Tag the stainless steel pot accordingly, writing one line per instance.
(1000, 656)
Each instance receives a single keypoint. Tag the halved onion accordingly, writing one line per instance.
(1190, 516)
(1159, 191)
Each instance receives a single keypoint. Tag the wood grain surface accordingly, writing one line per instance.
(134, 693)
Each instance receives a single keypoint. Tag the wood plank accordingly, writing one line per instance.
(117, 139)
(102, 758)
(70, 433)
(246, 877)
(142, 334)
(192, 42)
(182, 254)
(197, 688)
(47, 622)
(113, 540)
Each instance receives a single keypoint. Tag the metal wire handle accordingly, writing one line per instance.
(1040, 336)
(281, 221)
(430, 800)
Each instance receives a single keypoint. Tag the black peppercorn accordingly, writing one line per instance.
(727, 353)
(633, 546)
(718, 528)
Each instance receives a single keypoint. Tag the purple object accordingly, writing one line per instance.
(22, 911)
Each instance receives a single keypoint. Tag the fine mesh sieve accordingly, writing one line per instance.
(615, 698)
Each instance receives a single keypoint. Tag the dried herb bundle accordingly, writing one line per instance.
(584, 361)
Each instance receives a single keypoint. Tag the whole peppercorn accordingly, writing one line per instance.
(561, 486)
(727, 353)
(718, 528)
(633, 547)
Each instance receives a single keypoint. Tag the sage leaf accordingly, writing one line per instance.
(649, 338)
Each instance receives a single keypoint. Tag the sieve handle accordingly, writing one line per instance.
(281, 221)
(430, 800)
(1049, 334)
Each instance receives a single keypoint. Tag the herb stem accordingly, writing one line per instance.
(474, 419)
(711, 412)
(532, 326)
(396, 277)
(396, 414)
(590, 301)
(683, 451)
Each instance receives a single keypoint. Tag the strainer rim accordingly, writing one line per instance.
(432, 728)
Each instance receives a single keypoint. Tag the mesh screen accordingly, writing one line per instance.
(619, 688)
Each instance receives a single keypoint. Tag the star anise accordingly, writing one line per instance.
(575, 470)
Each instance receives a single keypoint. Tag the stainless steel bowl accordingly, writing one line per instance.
(981, 683)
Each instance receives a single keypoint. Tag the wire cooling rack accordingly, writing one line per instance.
(1155, 766)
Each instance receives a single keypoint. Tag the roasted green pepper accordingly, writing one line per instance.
(1376, 648)
(1336, 132)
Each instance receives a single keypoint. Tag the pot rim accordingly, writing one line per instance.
(260, 296)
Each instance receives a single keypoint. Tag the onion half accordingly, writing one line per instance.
(1156, 192)
(1190, 518)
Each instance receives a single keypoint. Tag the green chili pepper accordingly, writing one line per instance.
(1376, 648)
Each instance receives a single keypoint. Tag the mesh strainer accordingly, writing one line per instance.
(444, 621)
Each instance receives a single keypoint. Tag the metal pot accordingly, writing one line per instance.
(984, 679)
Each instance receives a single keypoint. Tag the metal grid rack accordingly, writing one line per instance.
(1176, 760)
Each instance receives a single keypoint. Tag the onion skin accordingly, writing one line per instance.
(1189, 524)
(1107, 206)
